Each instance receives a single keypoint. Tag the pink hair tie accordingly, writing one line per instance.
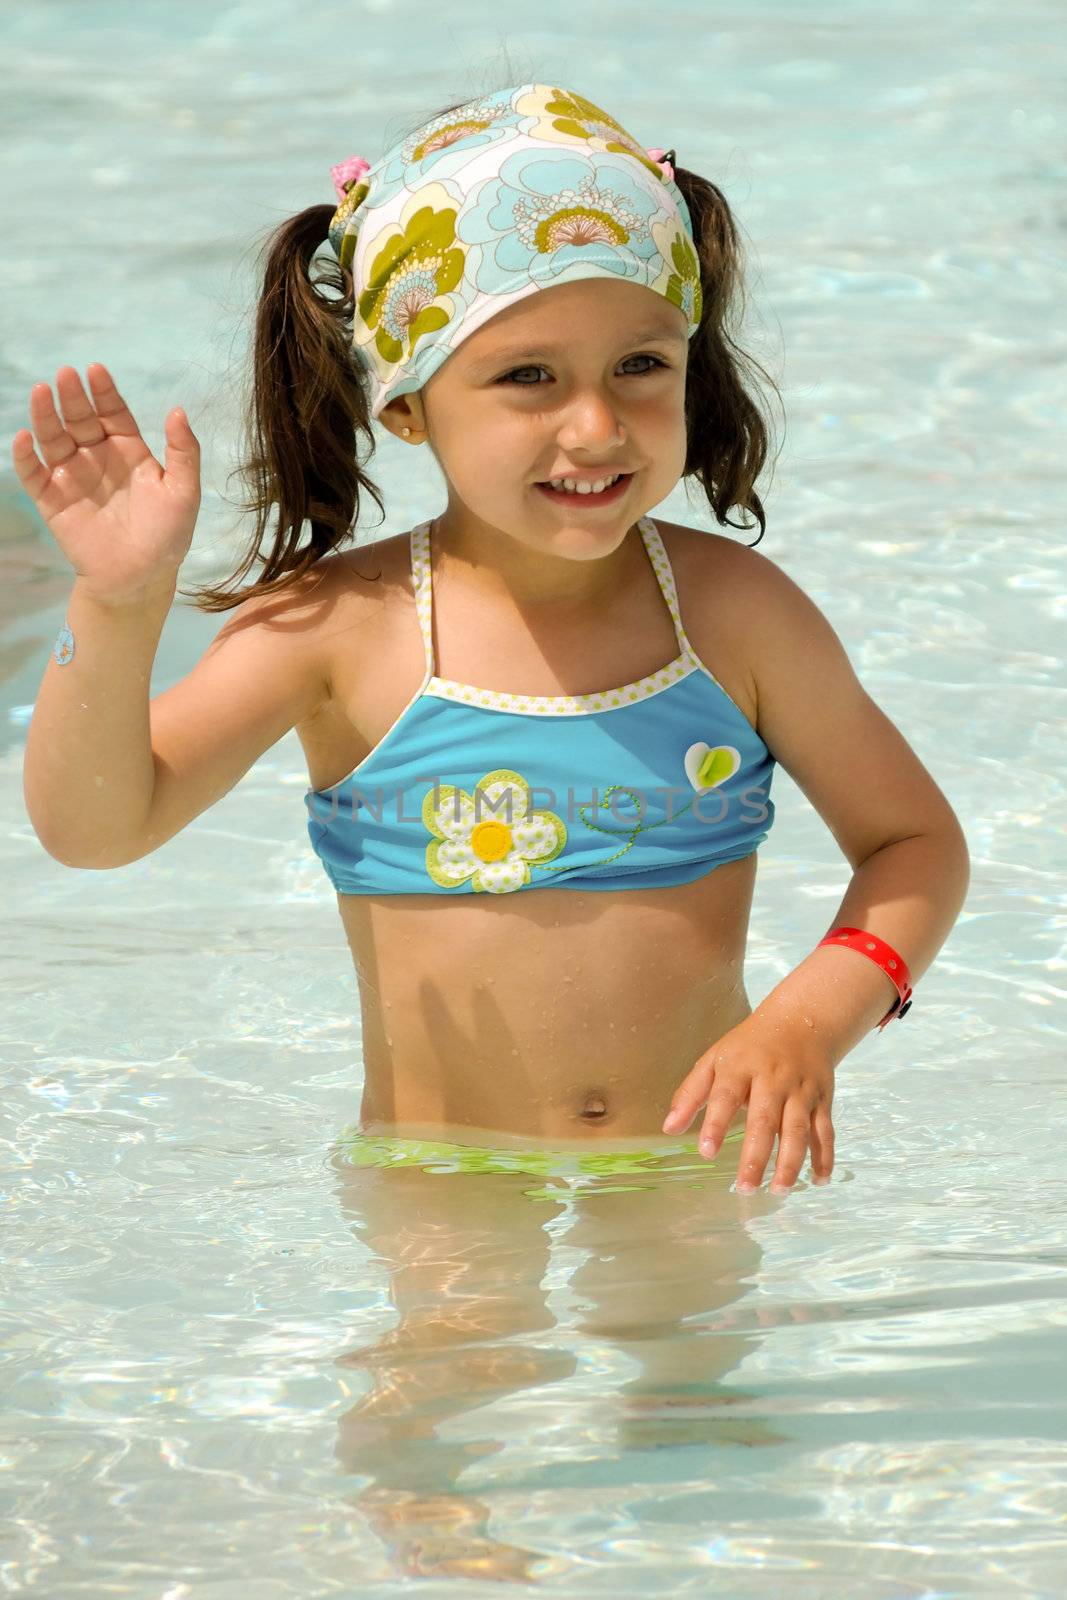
(345, 173)
(659, 156)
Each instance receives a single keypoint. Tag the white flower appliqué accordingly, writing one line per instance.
(493, 842)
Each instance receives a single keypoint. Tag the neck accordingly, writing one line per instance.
(504, 568)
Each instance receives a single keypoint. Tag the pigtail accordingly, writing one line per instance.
(309, 401)
(727, 437)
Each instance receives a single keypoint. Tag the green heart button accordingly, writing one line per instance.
(706, 766)
(717, 765)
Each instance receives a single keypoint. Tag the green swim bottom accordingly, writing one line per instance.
(590, 1171)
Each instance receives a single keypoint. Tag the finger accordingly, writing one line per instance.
(79, 413)
(792, 1144)
(725, 1098)
(689, 1096)
(115, 415)
(53, 441)
(31, 474)
(761, 1126)
(182, 460)
(822, 1145)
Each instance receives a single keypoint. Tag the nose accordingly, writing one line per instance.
(592, 424)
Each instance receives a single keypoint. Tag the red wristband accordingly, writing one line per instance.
(893, 965)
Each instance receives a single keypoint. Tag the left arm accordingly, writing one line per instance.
(910, 875)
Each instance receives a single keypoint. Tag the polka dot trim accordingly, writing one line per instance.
(553, 705)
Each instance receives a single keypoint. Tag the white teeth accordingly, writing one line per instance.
(573, 486)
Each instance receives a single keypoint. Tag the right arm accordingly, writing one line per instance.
(110, 775)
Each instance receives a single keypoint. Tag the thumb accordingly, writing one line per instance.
(182, 464)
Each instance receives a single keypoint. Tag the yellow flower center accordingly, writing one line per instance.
(490, 841)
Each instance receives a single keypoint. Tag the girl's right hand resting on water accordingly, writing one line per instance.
(123, 522)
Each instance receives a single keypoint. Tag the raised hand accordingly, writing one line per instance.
(124, 522)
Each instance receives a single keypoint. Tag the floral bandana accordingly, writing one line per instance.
(513, 192)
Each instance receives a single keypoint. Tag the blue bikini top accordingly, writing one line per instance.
(472, 791)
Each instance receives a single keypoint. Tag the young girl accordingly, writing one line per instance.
(541, 726)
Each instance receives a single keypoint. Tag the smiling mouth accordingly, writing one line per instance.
(579, 496)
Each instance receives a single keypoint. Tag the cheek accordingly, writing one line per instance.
(667, 407)
(495, 446)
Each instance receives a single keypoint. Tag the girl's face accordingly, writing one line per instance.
(586, 379)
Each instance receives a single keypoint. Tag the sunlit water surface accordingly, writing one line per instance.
(233, 1366)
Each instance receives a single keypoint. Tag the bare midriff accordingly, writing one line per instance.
(548, 1017)
(551, 1017)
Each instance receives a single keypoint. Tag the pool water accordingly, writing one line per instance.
(240, 1359)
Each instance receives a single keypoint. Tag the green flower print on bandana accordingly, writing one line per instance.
(578, 117)
(411, 265)
(344, 245)
(683, 285)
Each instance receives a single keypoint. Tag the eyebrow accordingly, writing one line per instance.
(516, 353)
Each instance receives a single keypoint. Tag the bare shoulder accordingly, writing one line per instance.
(350, 577)
(354, 599)
(740, 596)
(715, 556)
(811, 708)
(298, 609)
(774, 614)
(331, 607)
(720, 582)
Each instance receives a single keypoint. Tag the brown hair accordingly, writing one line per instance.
(310, 399)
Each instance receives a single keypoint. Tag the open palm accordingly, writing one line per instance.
(123, 522)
